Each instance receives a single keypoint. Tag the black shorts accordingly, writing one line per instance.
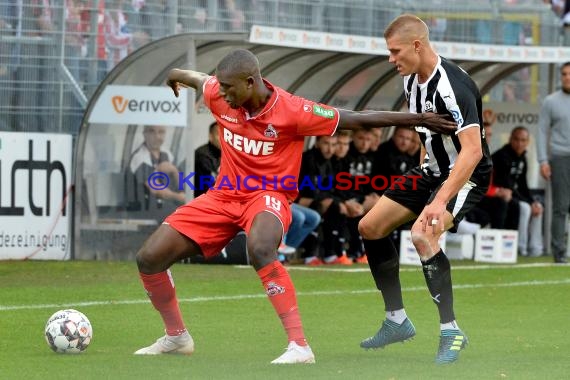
(419, 189)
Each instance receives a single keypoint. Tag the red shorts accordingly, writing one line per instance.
(211, 220)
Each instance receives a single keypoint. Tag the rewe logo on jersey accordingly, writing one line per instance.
(249, 146)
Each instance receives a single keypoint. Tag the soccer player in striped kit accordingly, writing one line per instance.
(455, 173)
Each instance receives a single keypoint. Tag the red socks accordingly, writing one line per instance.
(281, 293)
(160, 289)
(277, 284)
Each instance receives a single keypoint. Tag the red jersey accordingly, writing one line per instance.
(263, 152)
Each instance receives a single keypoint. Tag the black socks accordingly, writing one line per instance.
(437, 272)
(384, 264)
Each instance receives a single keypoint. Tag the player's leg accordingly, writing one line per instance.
(270, 216)
(437, 269)
(199, 227)
(383, 260)
(437, 273)
(163, 248)
(525, 214)
(396, 207)
(560, 185)
(535, 245)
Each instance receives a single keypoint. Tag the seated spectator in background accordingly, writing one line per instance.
(340, 159)
(479, 215)
(361, 161)
(341, 164)
(509, 172)
(376, 139)
(392, 158)
(415, 148)
(152, 198)
(207, 162)
(302, 231)
(354, 209)
(316, 192)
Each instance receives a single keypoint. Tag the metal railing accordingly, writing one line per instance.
(54, 53)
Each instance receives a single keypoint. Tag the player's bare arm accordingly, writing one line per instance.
(377, 119)
(468, 158)
(185, 78)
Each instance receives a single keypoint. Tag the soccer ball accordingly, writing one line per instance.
(68, 332)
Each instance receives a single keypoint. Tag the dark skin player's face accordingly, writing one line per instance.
(235, 89)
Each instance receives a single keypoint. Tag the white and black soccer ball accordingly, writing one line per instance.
(68, 332)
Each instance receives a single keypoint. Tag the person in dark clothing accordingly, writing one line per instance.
(509, 172)
(316, 190)
(143, 200)
(207, 161)
(392, 158)
(361, 161)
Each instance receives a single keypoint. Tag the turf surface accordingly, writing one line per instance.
(516, 318)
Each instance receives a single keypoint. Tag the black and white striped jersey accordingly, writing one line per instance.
(449, 90)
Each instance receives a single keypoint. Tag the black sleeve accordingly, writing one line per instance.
(522, 189)
(204, 164)
(502, 169)
(308, 170)
(205, 170)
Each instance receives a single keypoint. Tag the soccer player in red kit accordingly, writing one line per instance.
(262, 131)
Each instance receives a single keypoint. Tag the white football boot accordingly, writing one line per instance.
(181, 344)
(296, 354)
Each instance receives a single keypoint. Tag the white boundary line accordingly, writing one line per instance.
(262, 295)
(409, 268)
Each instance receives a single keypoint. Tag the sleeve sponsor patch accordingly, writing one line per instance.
(323, 112)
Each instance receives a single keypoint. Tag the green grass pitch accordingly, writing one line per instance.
(516, 317)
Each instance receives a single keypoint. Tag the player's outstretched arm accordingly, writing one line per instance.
(378, 119)
(185, 78)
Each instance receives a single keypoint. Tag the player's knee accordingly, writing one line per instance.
(420, 239)
(369, 230)
(262, 253)
(146, 261)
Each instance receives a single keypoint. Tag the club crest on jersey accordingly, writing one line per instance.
(273, 289)
(270, 132)
(307, 108)
(428, 107)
